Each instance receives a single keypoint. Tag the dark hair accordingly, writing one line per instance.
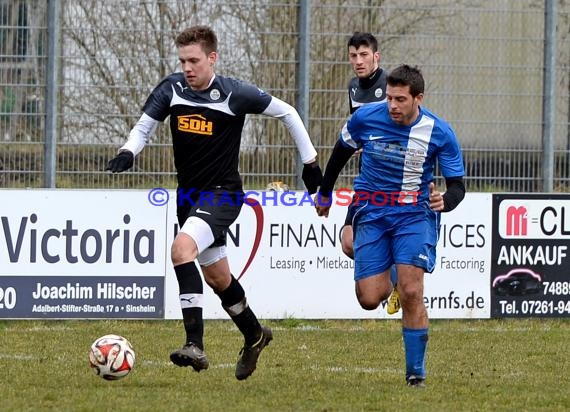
(363, 39)
(405, 75)
(203, 35)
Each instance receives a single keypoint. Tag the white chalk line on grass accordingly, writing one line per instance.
(226, 366)
(58, 328)
(19, 357)
(315, 368)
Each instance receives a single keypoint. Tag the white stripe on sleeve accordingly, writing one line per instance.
(290, 117)
(140, 134)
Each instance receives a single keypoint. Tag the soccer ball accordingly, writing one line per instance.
(111, 357)
(277, 186)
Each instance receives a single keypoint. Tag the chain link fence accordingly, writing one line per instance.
(483, 63)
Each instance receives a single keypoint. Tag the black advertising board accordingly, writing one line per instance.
(530, 256)
(81, 297)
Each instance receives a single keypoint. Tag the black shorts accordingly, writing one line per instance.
(218, 208)
(350, 212)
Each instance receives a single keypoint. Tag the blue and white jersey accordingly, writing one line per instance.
(399, 159)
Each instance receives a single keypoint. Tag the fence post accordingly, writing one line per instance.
(303, 74)
(549, 95)
(52, 100)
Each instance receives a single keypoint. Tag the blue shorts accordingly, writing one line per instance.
(394, 235)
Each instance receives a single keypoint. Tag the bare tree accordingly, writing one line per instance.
(114, 52)
(21, 70)
(393, 23)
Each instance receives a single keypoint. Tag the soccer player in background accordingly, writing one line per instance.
(207, 114)
(367, 86)
(397, 207)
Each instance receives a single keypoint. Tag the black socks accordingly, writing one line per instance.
(191, 291)
(235, 304)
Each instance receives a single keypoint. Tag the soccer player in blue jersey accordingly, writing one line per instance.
(397, 206)
(207, 114)
(368, 86)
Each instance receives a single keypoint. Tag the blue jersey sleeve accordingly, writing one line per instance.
(349, 133)
(450, 156)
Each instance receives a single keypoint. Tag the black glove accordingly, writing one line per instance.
(312, 177)
(123, 161)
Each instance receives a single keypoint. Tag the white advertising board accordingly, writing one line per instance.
(100, 254)
(298, 269)
(81, 254)
(87, 232)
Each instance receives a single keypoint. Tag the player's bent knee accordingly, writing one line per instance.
(410, 294)
(368, 303)
(177, 254)
(183, 250)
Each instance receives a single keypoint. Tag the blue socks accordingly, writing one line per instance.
(415, 345)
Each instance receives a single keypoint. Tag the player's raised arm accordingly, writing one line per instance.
(312, 174)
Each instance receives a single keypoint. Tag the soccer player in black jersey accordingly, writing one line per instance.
(207, 114)
(369, 83)
(368, 86)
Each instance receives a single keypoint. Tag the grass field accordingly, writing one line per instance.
(477, 365)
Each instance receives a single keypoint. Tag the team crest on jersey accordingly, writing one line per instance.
(195, 123)
(215, 94)
(378, 92)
